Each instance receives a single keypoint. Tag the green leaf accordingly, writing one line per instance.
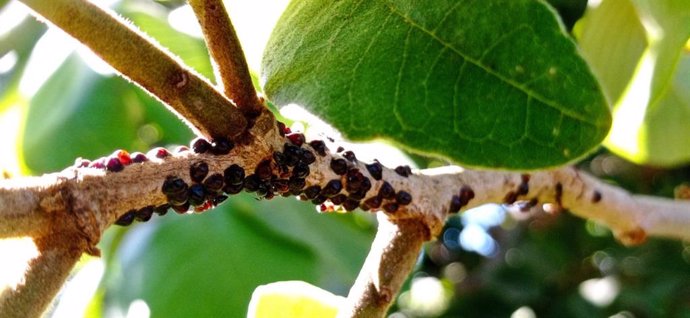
(19, 42)
(339, 260)
(210, 264)
(483, 83)
(636, 49)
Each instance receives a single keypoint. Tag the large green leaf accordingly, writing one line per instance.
(636, 49)
(490, 83)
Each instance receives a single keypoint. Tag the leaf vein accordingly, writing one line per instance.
(526, 90)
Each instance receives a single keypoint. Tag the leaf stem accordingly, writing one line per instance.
(227, 55)
(150, 66)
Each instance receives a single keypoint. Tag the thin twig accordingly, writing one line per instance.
(391, 259)
(228, 57)
(150, 66)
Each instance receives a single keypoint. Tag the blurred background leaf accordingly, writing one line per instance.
(638, 50)
(208, 265)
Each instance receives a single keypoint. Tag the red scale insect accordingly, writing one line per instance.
(203, 207)
(124, 157)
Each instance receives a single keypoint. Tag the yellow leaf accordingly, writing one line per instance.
(291, 299)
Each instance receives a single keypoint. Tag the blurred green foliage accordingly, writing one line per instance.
(207, 265)
(638, 50)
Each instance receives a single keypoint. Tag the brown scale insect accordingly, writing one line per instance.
(144, 214)
(455, 204)
(354, 180)
(114, 165)
(559, 194)
(386, 191)
(596, 196)
(198, 171)
(138, 157)
(181, 209)
(390, 207)
(221, 146)
(263, 170)
(281, 185)
(404, 171)
(214, 183)
(320, 199)
(200, 145)
(332, 188)
(162, 209)
(523, 188)
(338, 199)
(349, 155)
(403, 198)
(281, 128)
(127, 218)
(350, 204)
(339, 166)
(312, 192)
(233, 175)
(373, 202)
(466, 194)
(375, 170)
(510, 197)
(301, 170)
(319, 146)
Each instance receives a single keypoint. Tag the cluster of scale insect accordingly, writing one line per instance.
(120, 159)
(284, 174)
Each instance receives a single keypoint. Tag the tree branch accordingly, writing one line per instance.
(227, 55)
(95, 198)
(72, 208)
(391, 259)
(46, 274)
(30, 205)
(150, 66)
(85, 201)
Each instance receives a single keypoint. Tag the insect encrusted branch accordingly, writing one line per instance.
(67, 212)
